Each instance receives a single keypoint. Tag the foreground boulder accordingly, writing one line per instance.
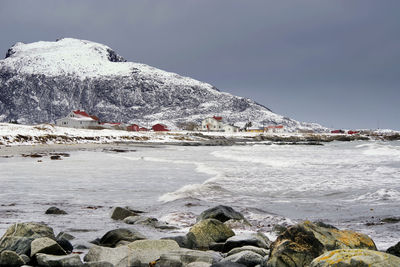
(261, 251)
(64, 261)
(207, 232)
(47, 246)
(111, 238)
(30, 229)
(18, 237)
(220, 213)
(119, 213)
(120, 256)
(252, 239)
(147, 251)
(184, 257)
(247, 258)
(355, 258)
(10, 259)
(303, 242)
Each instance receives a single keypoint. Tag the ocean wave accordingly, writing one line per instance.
(380, 195)
(378, 149)
(202, 191)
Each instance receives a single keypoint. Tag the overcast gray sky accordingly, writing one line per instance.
(334, 62)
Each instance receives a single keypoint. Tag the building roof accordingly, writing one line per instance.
(82, 115)
(217, 118)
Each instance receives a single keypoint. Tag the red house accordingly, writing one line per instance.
(142, 129)
(353, 132)
(133, 128)
(160, 128)
(337, 131)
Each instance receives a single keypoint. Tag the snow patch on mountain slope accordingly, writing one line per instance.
(44, 81)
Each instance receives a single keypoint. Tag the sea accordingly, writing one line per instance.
(350, 185)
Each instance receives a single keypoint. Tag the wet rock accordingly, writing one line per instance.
(65, 244)
(303, 242)
(253, 239)
(55, 210)
(114, 256)
(111, 238)
(147, 251)
(183, 257)
(208, 231)
(20, 245)
(217, 246)
(355, 258)
(182, 240)
(394, 250)
(56, 261)
(63, 235)
(220, 213)
(119, 213)
(391, 220)
(227, 264)
(149, 221)
(279, 229)
(247, 258)
(47, 246)
(55, 157)
(9, 258)
(261, 251)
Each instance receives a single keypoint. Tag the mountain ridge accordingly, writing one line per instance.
(44, 81)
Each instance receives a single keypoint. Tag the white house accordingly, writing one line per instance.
(78, 119)
(230, 128)
(212, 124)
(215, 124)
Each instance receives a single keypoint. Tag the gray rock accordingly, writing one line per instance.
(56, 211)
(119, 213)
(47, 246)
(198, 264)
(180, 239)
(247, 258)
(98, 264)
(221, 213)
(21, 245)
(183, 257)
(355, 258)
(253, 239)
(25, 258)
(227, 264)
(131, 219)
(66, 236)
(30, 229)
(147, 251)
(9, 258)
(114, 256)
(57, 261)
(65, 244)
(111, 238)
(261, 251)
(208, 231)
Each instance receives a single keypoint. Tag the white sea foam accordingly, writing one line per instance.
(380, 195)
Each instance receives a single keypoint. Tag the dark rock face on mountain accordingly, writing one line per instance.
(44, 81)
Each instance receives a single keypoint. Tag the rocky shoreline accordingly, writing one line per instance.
(213, 240)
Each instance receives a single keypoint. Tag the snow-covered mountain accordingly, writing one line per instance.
(44, 81)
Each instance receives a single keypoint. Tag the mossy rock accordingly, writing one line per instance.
(207, 232)
(303, 242)
(355, 258)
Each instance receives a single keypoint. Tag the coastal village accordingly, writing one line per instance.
(81, 119)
